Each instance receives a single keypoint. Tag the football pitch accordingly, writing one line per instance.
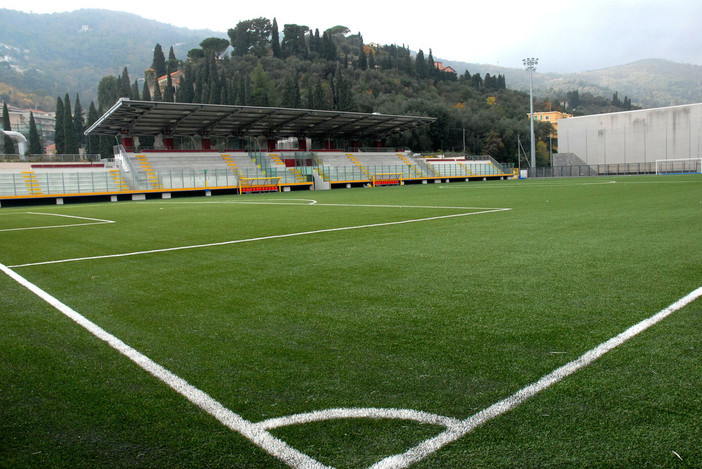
(538, 323)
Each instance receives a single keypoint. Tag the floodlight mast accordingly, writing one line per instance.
(530, 66)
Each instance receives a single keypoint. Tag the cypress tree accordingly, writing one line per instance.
(93, 141)
(420, 65)
(145, 93)
(342, 90)
(362, 59)
(431, 66)
(35, 145)
(69, 134)
(106, 143)
(157, 93)
(159, 61)
(168, 90)
(59, 139)
(328, 48)
(172, 63)
(78, 122)
(291, 93)
(187, 85)
(135, 90)
(275, 40)
(125, 85)
(9, 144)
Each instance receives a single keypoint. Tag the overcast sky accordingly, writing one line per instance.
(566, 35)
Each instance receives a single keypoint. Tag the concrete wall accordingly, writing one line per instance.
(635, 136)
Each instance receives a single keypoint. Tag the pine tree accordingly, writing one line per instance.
(78, 122)
(9, 144)
(159, 61)
(135, 90)
(69, 133)
(59, 138)
(35, 145)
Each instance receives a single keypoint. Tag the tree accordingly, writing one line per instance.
(145, 93)
(69, 135)
(262, 91)
(275, 40)
(172, 63)
(432, 71)
(291, 93)
(135, 90)
(420, 65)
(157, 92)
(216, 45)
(168, 94)
(186, 91)
(108, 92)
(615, 100)
(251, 36)
(294, 43)
(78, 121)
(93, 141)
(328, 47)
(342, 87)
(493, 144)
(159, 61)
(125, 86)
(105, 142)
(9, 144)
(59, 138)
(35, 145)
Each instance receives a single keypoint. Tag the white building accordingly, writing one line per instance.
(634, 137)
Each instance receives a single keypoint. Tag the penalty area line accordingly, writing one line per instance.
(91, 221)
(261, 238)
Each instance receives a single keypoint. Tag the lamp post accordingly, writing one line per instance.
(530, 65)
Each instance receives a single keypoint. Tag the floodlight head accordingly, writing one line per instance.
(530, 63)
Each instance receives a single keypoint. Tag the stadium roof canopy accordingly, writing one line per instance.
(151, 118)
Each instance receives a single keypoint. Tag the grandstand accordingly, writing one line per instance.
(205, 148)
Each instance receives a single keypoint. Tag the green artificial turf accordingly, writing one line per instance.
(272, 314)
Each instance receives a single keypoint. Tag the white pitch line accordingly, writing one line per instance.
(455, 432)
(259, 435)
(93, 221)
(317, 204)
(357, 413)
(262, 238)
(231, 420)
